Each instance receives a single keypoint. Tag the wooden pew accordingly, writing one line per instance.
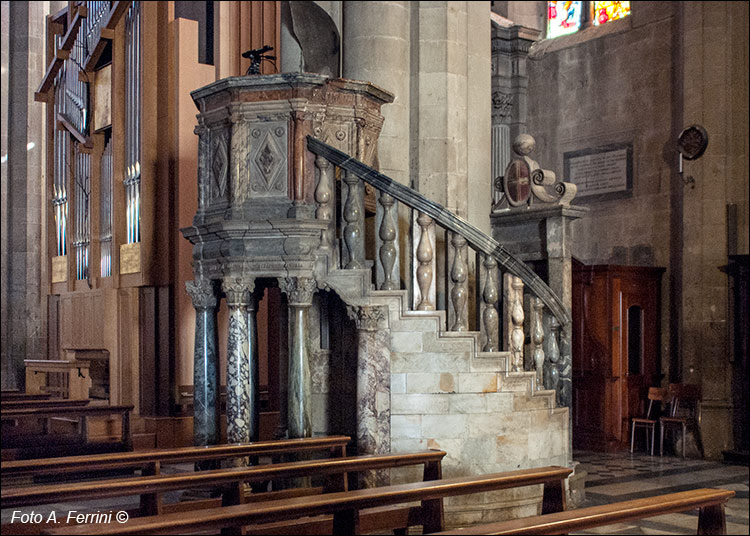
(44, 403)
(17, 395)
(711, 518)
(230, 480)
(151, 460)
(345, 506)
(65, 411)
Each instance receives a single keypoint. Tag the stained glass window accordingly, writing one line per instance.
(609, 11)
(564, 17)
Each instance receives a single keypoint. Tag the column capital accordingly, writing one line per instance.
(299, 290)
(367, 317)
(238, 291)
(202, 293)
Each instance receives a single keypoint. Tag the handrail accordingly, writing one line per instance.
(448, 220)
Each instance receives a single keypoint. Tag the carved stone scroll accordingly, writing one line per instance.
(388, 272)
(490, 321)
(459, 286)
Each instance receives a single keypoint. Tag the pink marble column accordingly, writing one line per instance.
(373, 387)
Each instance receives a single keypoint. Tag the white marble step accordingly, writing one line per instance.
(355, 288)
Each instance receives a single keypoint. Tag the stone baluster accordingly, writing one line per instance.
(239, 393)
(323, 198)
(387, 269)
(373, 387)
(551, 370)
(206, 405)
(425, 270)
(354, 213)
(513, 319)
(299, 291)
(490, 320)
(458, 310)
(537, 340)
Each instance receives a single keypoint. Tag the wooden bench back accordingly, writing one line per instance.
(711, 518)
(143, 458)
(43, 403)
(344, 506)
(79, 491)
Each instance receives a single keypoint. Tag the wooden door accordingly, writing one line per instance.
(616, 338)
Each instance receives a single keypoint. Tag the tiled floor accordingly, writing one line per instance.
(624, 476)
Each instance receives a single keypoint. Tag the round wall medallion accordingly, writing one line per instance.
(692, 142)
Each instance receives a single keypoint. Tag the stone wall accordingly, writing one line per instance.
(23, 193)
(446, 396)
(642, 80)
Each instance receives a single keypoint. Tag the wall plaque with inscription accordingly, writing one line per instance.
(59, 269)
(601, 172)
(130, 258)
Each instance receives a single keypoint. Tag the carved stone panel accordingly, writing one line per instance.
(267, 159)
(219, 164)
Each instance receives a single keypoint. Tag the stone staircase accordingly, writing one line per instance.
(446, 394)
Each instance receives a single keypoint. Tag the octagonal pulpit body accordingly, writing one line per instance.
(256, 179)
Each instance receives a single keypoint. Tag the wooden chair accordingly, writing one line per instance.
(655, 395)
(686, 413)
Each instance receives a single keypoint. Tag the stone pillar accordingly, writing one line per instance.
(23, 196)
(299, 291)
(373, 387)
(206, 398)
(376, 47)
(239, 419)
(510, 81)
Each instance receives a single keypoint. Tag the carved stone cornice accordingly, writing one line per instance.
(299, 290)
(202, 293)
(238, 291)
(366, 317)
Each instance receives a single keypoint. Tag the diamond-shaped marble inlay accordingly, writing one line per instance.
(265, 159)
(268, 160)
(219, 166)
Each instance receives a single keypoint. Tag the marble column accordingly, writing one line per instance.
(239, 422)
(299, 291)
(373, 388)
(206, 404)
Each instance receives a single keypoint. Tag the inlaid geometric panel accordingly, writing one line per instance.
(267, 159)
(219, 164)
